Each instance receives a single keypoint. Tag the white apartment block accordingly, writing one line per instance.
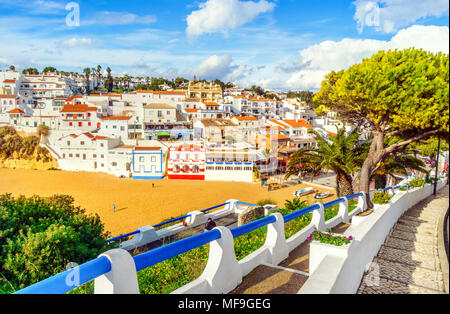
(149, 97)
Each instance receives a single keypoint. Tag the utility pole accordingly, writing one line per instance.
(437, 165)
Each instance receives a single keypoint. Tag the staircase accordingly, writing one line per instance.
(408, 262)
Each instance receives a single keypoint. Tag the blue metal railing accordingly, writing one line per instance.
(59, 284)
(239, 231)
(123, 236)
(354, 196)
(163, 253)
(248, 204)
(211, 208)
(164, 223)
(100, 266)
(300, 212)
(170, 221)
(332, 203)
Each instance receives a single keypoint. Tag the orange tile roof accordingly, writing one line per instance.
(277, 122)
(245, 118)
(174, 92)
(98, 137)
(117, 118)
(211, 104)
(191, 110)
(16, 110)
(77, 108)
(261, 99)
(147, 148)
(73, 97)
(9, 81)
(298, 123)
(105, 95)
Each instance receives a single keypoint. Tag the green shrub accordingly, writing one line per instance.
(417, 183)
(267, 201)
(295, 204)
(40, 236)
(381, 198)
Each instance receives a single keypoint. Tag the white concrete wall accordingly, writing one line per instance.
(343, 274)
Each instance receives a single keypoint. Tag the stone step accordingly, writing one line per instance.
(387, 286)
(409, 246)
(412, 223)
(421, 229)
(408, 257)
(408, 274)
(416, 237)
(424, 218)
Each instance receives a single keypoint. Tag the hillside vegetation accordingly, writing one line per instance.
(23, 151)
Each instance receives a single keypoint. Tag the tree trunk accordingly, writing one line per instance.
(344, 184)
(375, 155)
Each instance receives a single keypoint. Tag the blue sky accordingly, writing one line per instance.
(284, 44)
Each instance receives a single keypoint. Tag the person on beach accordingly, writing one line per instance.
(114, 208)
(210, 225)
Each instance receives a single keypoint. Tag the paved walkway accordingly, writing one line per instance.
(408, 262)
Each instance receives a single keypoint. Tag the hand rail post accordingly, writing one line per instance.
(318, 218)
(362, 202)
(195, 219)
(147, 234)
(232, 205)
(222, 272)
(276, 240)
(343, 210)
(122, 279)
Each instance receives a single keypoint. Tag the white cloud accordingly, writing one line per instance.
(223, 68)
(336, 55)
(120, 18)
(77, 42)
(390, 15)
(223, 15)
(214, 67)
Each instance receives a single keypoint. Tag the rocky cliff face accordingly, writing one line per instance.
(28, 164)
(23, 152)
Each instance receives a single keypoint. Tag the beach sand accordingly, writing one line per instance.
(137, 202)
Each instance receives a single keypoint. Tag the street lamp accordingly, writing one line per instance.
(437, 165)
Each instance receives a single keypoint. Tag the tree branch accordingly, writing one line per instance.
(418, 137)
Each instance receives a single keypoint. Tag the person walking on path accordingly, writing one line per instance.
(114, 208)
(210, 225)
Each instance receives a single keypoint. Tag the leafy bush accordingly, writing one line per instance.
(430, 180)
(40, 236)
(267, 201)
(295, 204)
(381, 198)
(417, 183)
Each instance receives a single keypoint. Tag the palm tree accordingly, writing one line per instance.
(99, 75)
(339, 153)
(397, 164)
(87, 73)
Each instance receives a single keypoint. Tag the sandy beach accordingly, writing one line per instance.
(137, 202)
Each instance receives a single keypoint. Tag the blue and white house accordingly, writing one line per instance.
(148, 163)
